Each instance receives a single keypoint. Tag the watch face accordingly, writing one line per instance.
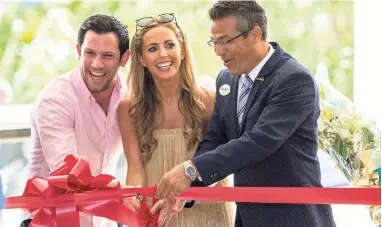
(190, 171)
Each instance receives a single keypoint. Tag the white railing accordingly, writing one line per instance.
(15, 122)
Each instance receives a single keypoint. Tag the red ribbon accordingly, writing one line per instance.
(145, 214)
(74, 176)
(71, 188)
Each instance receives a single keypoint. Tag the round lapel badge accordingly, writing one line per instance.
(224, 89)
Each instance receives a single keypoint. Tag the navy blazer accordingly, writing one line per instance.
(277, 145)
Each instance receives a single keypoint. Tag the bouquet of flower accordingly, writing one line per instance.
(350, 138)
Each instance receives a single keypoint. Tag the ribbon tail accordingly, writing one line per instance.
(44, 218)
(114, 211)
(67, 216)
(145, 214)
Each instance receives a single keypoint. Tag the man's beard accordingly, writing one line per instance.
(103, 88)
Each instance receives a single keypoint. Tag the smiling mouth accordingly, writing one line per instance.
(227, 62)
(164, 65)
(97, 75)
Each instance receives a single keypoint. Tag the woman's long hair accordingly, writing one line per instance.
(145, 107)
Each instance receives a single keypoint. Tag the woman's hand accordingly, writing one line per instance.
(167, 208)
(132, 203)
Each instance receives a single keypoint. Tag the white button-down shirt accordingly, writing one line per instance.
(253, 74)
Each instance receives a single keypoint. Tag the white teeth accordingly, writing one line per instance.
(164, 64)
(97, 74)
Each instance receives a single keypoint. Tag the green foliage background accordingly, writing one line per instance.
(37, 39)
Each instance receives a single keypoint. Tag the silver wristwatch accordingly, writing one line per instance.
(189, 170)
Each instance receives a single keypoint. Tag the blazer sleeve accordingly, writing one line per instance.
(292, 99)
(214, 137)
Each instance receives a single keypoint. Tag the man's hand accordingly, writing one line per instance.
(173, 183)
(132, 203)
(167, 208)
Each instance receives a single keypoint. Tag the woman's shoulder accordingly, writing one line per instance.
(206, 86)
(207, 95)
(124, 116)
(124, 105)
(206, 82)
(125, 102)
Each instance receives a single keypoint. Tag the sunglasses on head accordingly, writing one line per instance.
(162, 18)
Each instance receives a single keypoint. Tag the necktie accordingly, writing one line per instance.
(245, 88)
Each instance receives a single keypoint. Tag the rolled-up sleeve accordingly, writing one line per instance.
(54, 128)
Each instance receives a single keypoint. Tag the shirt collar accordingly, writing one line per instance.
(255, 72)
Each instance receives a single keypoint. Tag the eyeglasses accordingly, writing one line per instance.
(162, 18)
(222, 43)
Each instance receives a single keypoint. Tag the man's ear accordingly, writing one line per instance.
(125, 58)
(78, 47)
(257, 33)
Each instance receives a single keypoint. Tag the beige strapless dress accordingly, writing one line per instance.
(172, 150)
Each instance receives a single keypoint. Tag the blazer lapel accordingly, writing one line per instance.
(264, 72)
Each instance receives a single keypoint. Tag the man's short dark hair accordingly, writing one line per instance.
(102, 24)
(248, 14)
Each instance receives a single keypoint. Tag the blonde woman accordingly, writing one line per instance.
(164, 117)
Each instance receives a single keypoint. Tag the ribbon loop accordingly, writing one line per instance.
(74, 176)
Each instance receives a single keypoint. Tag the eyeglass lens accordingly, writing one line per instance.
(145, 21)
(164, 18)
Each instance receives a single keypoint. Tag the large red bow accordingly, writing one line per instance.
(74, 176)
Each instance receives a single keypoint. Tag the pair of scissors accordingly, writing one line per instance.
(139, 197)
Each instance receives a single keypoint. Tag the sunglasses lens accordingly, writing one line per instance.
(165, 18)
(143, 22)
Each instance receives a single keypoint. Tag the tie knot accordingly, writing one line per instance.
(247, 81)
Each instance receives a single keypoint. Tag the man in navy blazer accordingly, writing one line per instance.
(264, 127)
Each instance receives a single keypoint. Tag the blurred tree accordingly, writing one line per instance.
(37, 39)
